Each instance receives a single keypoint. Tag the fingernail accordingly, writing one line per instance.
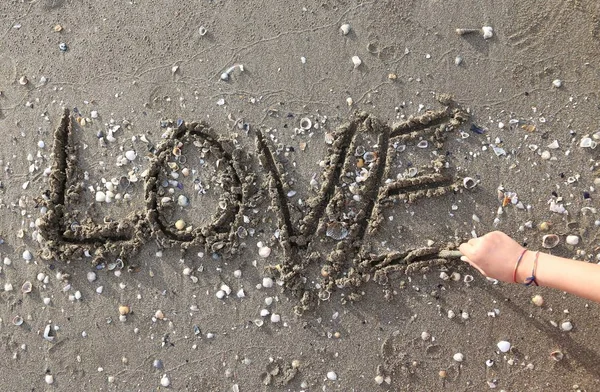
(464, 258)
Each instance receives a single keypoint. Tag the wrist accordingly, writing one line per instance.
(525, 267)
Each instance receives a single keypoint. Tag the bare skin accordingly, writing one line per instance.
(495, 255)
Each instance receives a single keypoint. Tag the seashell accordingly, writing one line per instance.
(549, 241)
(17, 320)
(130, 155)
(258, 322)
(242, 232)
(586, 142)
(264, 251)
(356, 61)
(27, 287)
(458, 60)
(176, 151)
(202, 31)
(566, 326)
(458, 357)
(557, 355)
(412, 171)
(183, 201)
(337, 231)
(557, 83)
(503, 346)
(468, 278)
(124, 310)
(305, 123)
(360, 151)
(537, 300)
(370, 156)
(345, 29)
(423, 144)
(487, 31)
(180, 224)
(469, 183)
(48, 334)
(572, 240)
(553, 145)
(27, 256)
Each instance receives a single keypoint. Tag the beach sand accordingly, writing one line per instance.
(315, 220)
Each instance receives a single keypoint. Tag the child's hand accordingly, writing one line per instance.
(494, 255)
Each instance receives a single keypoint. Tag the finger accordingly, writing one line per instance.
(466, 249)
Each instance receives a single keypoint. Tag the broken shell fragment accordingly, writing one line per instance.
(337, 231)
(469, 183)
(305, 123)
(557, 355)
(503, 346)
(488, 32)
(566, 326)
(356, 61)
(549, 241)
(27, 287)
(423, 144)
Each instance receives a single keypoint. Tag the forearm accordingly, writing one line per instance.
(575, 277)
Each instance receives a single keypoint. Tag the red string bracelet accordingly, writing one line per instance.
(517, 265)
(531, 279)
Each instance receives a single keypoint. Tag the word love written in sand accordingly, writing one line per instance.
(345, 209)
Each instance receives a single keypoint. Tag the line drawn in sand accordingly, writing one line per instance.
(356, 186)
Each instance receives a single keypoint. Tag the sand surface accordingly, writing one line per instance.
(313, 253)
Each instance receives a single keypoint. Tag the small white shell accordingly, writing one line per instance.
(331, 376)
(356, 61)
(557, 83)
(267, 282)
(423, 144)
(345, 28)
(264, 251)
(566, 326)
(572, 240)
(130, 155)
(183, 201)
(553, 145)
(202, 31)
(425, 335)
(488, 32)
(503, 346)
(537, 300)
(27, 256)
(458, 357)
